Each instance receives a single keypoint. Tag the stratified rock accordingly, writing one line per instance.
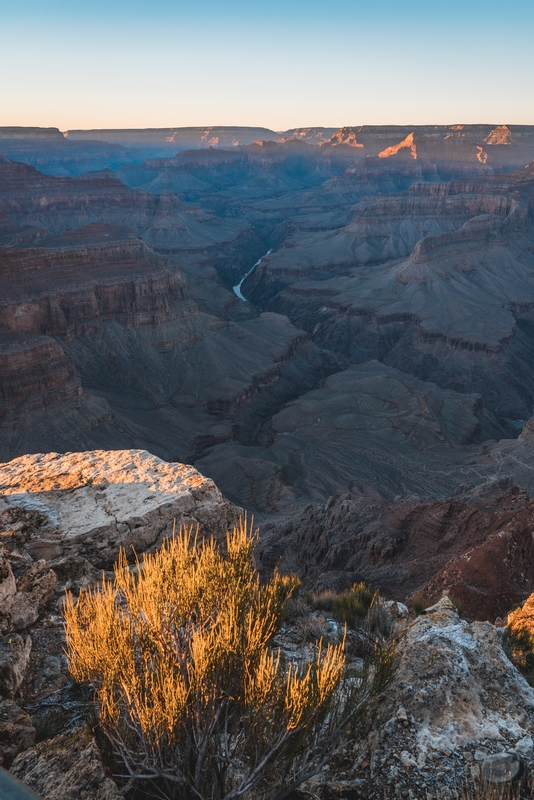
(100, 501)
(14, 658)
(68, 767)
(478, 547)
(16, 731)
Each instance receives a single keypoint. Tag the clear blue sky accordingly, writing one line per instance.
(113, 63)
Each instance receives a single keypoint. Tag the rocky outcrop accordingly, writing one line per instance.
(56, 513)
(92, 504)
(478, 548)
(457, 714)
(443, 144)
(97, 273)
(17, 732)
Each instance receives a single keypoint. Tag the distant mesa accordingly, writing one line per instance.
(345, 136)
(406, 144)
(499, 135)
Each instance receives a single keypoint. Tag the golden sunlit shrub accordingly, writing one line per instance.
(189, 691)
(519, 638)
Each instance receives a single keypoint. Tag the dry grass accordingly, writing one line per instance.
(322, 601)
(188, 689)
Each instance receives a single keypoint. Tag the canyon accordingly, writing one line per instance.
(373, 373)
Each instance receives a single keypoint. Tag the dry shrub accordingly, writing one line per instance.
(313, 627)
(518, 640)
(189, 692)
(323, 600)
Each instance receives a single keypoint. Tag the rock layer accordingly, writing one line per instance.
(478, 548)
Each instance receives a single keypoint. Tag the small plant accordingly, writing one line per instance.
(322, 601)
(313, 627)
(352, 607)
(296, 609)
(419, 605)
(458, 604)
(194, 700)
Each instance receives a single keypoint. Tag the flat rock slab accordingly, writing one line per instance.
(100, 500)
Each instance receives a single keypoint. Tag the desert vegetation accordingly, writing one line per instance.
(519, 638)
(192, 696)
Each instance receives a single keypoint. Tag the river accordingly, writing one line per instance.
(237, 287)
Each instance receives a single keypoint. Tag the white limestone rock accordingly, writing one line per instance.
(100, 500)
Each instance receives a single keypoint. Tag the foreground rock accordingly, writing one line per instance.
(66, 767)
(14, 657)
(457, 713)
(93, 503)
(17, 732)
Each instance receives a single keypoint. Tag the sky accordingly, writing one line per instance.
(274, 63)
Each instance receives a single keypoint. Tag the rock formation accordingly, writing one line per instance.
(91, 504)
(457, 714)
(66, 767)
(383, 353)
(476, 547)
(456, 710)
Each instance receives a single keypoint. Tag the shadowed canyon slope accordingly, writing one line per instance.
(385, 349)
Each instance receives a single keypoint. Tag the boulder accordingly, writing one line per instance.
(66, 767)
(452, 715)
(100, 501)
